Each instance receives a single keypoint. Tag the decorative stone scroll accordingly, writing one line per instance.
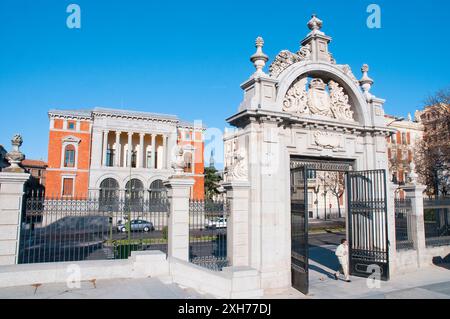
(286, 58)
(333, 103)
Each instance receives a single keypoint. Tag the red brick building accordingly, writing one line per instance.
(100, 149)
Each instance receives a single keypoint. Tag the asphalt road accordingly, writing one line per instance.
(326, 238)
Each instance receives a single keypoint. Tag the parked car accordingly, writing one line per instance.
(136, 225)
(218, 222)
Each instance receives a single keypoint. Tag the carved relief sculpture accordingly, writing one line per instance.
(333, 103)
(296, 100)
(318, 98)
(327, 140)
(339, 102)
(236, 163)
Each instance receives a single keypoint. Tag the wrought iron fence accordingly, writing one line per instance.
(208, 233)
(436, 219)
(403, 224)
(90, 228)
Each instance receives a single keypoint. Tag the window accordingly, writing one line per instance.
(187, 135)
(110, 158)
(71, 126)
(404, 138)
(67, 186)
(188, 162)
(134, 159)
(149, 159)
(157, 189)
(69, 156)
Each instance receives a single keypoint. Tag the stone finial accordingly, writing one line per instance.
(366, 82)
(259, 59)
(179, 163)
(15, 157)
(412, 177)
(315, 24)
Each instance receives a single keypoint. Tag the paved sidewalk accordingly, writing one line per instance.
(146, 288)
(431, 282)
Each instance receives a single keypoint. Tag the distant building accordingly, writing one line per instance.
(436, 122)
(401, 146)
(110, 150)
(38, 171)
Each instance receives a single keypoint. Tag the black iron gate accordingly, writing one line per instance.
(299, 229)
(367, 222)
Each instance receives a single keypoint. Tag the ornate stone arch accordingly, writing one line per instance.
(327, 72)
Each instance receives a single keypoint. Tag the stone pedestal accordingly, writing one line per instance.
(178, 237)
(238, 223)
(11, 198)
(415, 193)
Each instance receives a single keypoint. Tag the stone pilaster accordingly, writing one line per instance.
(415, 193)
(238, 223)
(178, 238)
(11, 197)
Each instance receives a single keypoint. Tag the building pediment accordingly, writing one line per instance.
(71, 139)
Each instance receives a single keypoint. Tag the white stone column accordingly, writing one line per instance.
(141, 150)
(415, 194)
(105, 148)
(11, 193)
(178, 224)
(130, 149)
(164, 152)
(117, 150)
(153, 150)
(237, 223)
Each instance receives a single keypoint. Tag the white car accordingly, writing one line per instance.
(219, 222)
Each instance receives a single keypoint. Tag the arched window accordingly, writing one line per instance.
(188, 162)
(69, 156)
(157, 189)
(109, 189)
(134, 189)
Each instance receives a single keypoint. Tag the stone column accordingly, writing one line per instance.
(237, 222)
(415, 194)
(153, 150)
(141, 150)
(11, 194)
(130, 149)
(178, 224)
(105, 148)
(117, 150)
(164, 154)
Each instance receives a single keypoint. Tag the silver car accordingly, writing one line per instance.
(137, 225)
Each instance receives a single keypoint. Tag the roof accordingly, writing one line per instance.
(84, 113)
(34, 163)
(134, 113)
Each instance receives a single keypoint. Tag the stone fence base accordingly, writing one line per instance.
(409, 260)
(232, 282)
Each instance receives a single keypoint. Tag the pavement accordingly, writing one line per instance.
(146, 288)
(432, 282)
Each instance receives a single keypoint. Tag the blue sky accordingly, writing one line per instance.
(189, 57)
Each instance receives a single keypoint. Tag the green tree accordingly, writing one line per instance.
(212, 180)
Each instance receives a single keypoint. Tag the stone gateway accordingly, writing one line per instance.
(308, 112)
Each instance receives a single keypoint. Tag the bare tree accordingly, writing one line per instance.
(432, 154)
(336, 187)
